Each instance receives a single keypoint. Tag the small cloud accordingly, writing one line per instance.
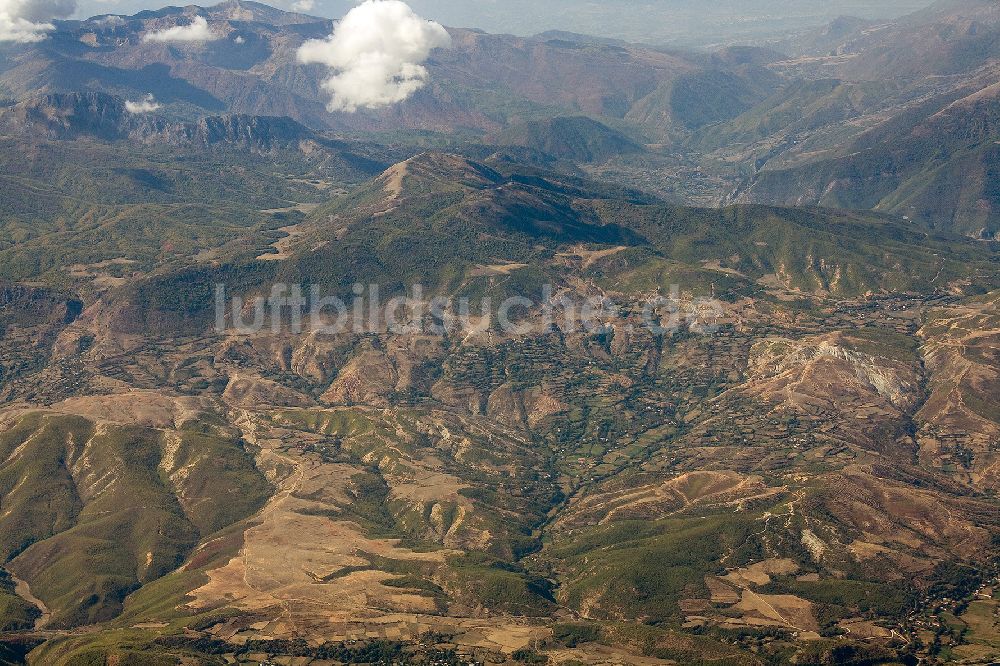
(239, 39)
(110, 20)
(196, 31)
(375, 55)
(304, 5)
(21, 31)
(148, 104)
(27, 21)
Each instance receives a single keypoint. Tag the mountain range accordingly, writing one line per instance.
(746, 412)
(863, 115)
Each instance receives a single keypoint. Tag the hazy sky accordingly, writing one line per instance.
(639, 20)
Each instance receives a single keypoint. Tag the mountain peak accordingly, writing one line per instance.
(244, 10)
(435, 169)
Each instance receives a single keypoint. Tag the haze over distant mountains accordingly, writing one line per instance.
(858, 114)
(682, 22)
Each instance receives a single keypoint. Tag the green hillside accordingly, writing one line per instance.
(574, 138)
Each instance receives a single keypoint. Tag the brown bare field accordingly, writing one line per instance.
(138, 407)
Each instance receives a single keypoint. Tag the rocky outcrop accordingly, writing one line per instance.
(106, 117)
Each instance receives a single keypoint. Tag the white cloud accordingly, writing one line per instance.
(303, 5)
(196, 31)
(147, 104)
(375, 54)
(110, 20)
(27, 21)
(239, 39)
